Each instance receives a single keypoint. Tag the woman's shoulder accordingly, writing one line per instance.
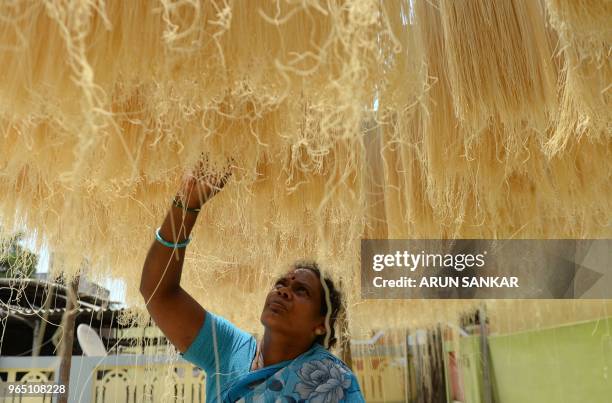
(221, 346)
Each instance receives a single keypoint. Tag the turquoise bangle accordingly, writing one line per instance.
(170, 244)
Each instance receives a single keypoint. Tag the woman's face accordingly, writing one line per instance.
(293, 306)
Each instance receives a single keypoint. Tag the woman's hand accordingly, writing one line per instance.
(202, 184)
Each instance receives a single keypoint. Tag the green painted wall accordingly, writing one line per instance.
(566, 364)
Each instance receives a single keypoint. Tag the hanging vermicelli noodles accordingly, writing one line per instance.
(499, 64)
(585, 47)
(154, 109)
(344, 120)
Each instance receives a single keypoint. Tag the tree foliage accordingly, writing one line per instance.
(15, 260)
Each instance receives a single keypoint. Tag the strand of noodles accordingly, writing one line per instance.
(73, 21)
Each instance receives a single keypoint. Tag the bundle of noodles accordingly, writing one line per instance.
(175, 64)
(585, 46)
(499, 64)
(444, 178)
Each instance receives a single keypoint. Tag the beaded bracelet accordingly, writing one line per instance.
(162, 241)
(177, 203)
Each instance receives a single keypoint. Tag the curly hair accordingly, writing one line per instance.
(335, 298)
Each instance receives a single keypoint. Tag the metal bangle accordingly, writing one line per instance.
(177, 203)
(162, 241)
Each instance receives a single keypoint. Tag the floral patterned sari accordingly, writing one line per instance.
(316, 376)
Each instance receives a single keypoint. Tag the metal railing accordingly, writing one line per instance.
(118, 378)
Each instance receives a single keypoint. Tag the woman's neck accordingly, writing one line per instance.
(277, 348)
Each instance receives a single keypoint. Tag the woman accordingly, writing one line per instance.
(290, 364)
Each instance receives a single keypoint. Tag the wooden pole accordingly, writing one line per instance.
(42, 323)
(72, 307)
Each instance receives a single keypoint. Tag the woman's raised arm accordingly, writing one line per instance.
(176, 313)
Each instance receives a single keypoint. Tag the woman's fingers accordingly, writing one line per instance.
(204, 182)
